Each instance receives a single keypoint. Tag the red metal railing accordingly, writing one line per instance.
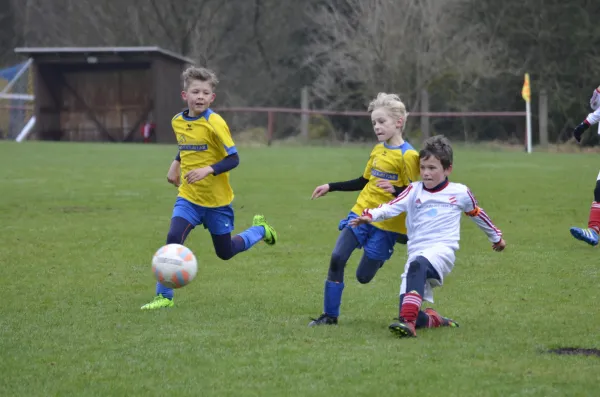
(271, 114)
(271, 111)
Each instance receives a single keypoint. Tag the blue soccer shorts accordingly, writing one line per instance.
(378, 244)
(218, 220)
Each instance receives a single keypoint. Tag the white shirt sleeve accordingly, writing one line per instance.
(469, 205)
(393, 208)
(593, 118)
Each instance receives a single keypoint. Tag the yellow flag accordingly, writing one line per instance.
(526, 91)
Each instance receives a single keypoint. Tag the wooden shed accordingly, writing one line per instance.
(105, 93)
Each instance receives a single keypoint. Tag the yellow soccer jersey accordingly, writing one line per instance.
(204, 140)
(397, 164)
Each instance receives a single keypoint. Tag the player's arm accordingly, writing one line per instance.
(388, 187)
(347, 186)
(229, 162)
(591, 119)
(351, 185)
(385, 211)
(174, 173)
(408, 173)
(472, 209)
(232, 159)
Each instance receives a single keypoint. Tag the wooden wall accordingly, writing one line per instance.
(108, 100)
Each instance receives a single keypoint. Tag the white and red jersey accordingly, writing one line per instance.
(433, 216)
(594, 117)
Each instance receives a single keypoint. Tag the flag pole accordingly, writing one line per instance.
(526, 94)
(528, 111)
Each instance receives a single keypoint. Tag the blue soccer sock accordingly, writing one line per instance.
(164, 291)
(252, 235)
(332, 298)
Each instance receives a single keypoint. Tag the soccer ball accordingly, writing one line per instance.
(174, 265)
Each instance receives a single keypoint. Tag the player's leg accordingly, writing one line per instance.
(430, 318)
(185, 217)
(270, 235)
(346, 243)
(590, 235)
(422, 319)
(367, 268)
(226, 247)
(378, 248)
(220, 222)
(419, 270)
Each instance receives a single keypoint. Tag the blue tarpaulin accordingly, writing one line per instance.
(10, 72)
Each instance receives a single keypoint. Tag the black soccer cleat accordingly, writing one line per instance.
(324, 319)
(402, 239)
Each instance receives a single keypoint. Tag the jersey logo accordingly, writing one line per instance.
(194, 148)
(418, 202)
(384, 175)
(181, 139)
(431, 212)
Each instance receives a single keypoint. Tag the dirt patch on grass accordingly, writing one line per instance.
(575, 351)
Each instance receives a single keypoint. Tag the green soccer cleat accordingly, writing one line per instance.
(158, 302)
(270, 233)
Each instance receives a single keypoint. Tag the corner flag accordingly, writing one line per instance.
(526, 91)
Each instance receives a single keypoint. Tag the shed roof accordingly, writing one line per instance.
(98, 51)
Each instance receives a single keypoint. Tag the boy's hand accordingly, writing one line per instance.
(361, 220)
(320, 191)
(198, 174)
(174, 174)
(579, 130)
(385, 185)
(499, 246)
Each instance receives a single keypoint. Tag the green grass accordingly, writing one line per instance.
(80, 222)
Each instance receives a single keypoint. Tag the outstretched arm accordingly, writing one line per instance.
(482, 220)
(347, 186)
(352, 185)
(591, 119)
(486, 225)
(385, 211)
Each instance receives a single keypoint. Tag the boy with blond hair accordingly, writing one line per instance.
(206, 155)
(393, 165)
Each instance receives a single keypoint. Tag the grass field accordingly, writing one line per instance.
(80, 222)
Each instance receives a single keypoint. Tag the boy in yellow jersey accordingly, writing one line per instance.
(392, 166)
(206, 155)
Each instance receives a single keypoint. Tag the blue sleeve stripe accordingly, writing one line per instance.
(230, 150)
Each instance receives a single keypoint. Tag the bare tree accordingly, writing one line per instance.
(361, 47)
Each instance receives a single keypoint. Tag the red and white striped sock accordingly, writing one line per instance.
(594, 220)
(411, 304)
